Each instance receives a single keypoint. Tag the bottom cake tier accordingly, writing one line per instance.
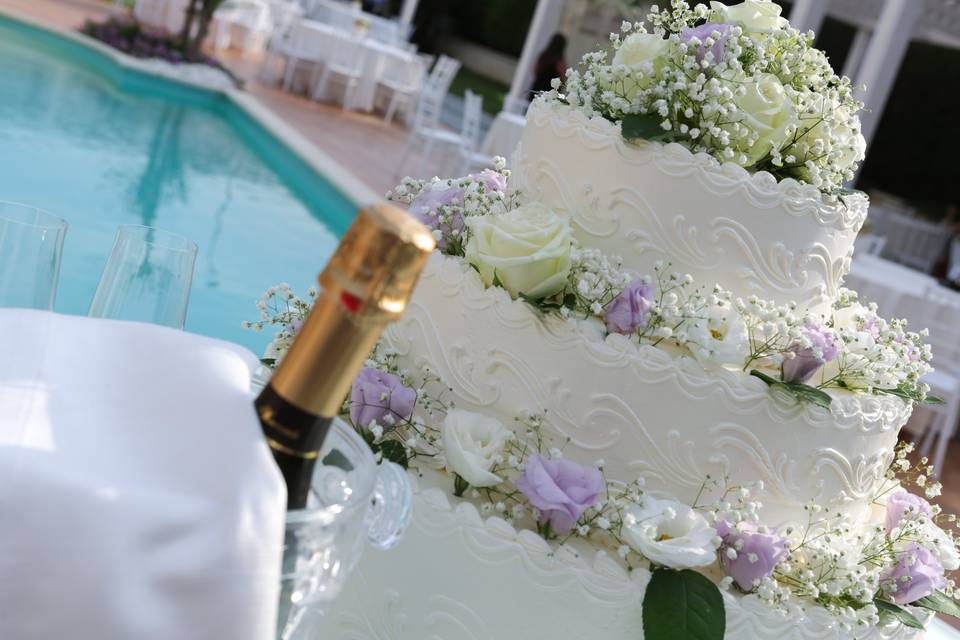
(458, 575)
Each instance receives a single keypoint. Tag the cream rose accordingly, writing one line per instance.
(755, 16)
(768, 112)
(671, 534)
(471, 443)
(641, 52)
(527, 250)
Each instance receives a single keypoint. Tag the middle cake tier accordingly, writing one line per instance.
(648, 202)
(645, 411)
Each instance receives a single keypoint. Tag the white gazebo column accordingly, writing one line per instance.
(545, 22)
(881, 62)
(408, 11)
(858, 48)
(808, 15)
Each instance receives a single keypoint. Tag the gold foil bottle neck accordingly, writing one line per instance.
(379, 260)
(366, 284)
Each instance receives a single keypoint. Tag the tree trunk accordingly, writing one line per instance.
(195, 46)
(188, 22)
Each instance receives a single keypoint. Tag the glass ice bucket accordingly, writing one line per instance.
(354, 502)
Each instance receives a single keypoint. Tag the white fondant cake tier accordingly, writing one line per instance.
(458, 576)
(648, 202)
(646, 412)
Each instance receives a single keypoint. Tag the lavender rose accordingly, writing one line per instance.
(704, 31)
(748, 555)
(916, 575)
(491, 180)
(426, 208)
(630, 310)
(807, 360)
(380, 397)
(903, 505)
(560, 489)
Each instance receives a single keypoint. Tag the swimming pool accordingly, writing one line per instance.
(100, 145)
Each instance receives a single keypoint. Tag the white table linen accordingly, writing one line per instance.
(137, 497)
(900, 291)
(319, 41)
(504, 135)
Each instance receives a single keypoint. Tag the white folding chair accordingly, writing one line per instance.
(470, 156)
(404, 89)
(427, 133)
(942, 308)
(345, 64)
(304, 45)
(913, 242)
(869, 244)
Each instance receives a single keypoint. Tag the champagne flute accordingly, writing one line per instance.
(147, 277)
(31, 246)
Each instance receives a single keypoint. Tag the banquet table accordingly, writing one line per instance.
(381, 61)
(902, 292)
(504, 135)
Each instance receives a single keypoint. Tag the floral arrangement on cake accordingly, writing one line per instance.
(737, 83)
(529, 251)
(886, 571)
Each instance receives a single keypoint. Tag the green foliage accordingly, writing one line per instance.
(498, 24)
(803, 392)
(682, 605)
(644, 126)
(336, 459)
(941, 603)
(890, 612)
(492, 91)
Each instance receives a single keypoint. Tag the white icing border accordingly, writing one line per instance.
(761, 188)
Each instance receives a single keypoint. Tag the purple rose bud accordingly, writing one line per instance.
(630, 310)
(903, 505)
(375, 395)
(916, 575)
(807, 360)
(425, 207)
(704, 31)
(754, 555)
(560, 489)
(491, 180)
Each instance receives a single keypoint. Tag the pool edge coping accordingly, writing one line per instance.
(320, 162)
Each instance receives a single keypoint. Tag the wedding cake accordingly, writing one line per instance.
(635, 399)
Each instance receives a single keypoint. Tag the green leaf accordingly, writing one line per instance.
(803, 392)
(394, 452)
(268, 362)
(930, 399)
(336, 459)
(540, 304)
(682, 605)
(941, 603)
(642, 125)
(889, 612)
(496, 280)
(570, 301)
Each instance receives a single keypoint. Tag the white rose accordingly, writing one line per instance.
(670, 534)
(471, 441)
(755, 16)
(527, 250)
(642, 53)
(941, 546)
(768, 111)
(718, 336)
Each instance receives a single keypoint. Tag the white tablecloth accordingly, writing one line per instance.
(138, 499)
(940, 630)
(504, 135)
(900, 291)
(320, 41)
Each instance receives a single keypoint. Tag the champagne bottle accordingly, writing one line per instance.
(366, 284)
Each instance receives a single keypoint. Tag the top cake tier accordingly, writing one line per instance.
(648, 202)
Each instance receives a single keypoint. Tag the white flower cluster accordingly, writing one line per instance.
(280, 307)
(735, 82)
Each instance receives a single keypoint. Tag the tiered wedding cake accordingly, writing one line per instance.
(636, 452)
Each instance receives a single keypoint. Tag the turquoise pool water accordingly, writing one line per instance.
(100, 146)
